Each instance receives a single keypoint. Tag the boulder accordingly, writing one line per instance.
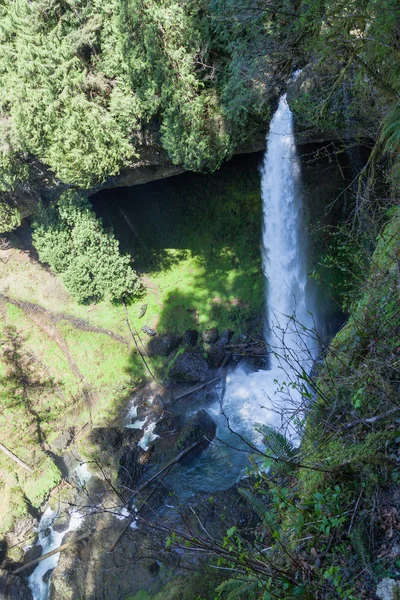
(162, 345)
(388, 589)
(130, 468)
(215, 355)
(117, 454)
(200, 428)
(189, 366)
(224, 338)
(13, 587)
(210, 336)
(150, 332)
(190, 337)
(64, 439)
(31, 554)
(61, 523)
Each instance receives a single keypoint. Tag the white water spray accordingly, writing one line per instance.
(49, 540)
(268, 396)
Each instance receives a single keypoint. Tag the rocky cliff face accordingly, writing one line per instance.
(153, 163)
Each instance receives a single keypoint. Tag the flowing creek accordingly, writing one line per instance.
(247, 398)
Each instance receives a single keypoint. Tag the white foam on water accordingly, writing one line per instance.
(148, 436)
(41, 589)
(136, 425)
(131, 414)
(82, 474)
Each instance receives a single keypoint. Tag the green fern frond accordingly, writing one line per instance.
(277, 443)
(237, 589)
(360, 543)
(266, 515)
(390, 134)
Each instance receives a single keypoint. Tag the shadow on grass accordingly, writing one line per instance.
(203, 215)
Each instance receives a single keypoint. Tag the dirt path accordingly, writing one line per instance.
(44, 320)
(55, 317)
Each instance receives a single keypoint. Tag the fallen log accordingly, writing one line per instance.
(384, 415)
(48, 554)
(15, 458)
(195, 389)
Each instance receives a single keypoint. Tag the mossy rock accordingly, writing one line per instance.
(200, 428)
(189, 366)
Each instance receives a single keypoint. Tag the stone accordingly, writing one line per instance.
(130, 467)
(189, 366)
(111, 445)
(162, 345)
(64, 439)
(200, 428)
(150, 332)
(210, 336)
(31, 554)
(62, 521)
(142, 311)
(190, 337)
(388, 589)
(214, 355)
(13, 587)
(224, 338)
(46, 577)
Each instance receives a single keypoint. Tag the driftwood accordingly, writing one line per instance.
(195, 389)
(245, 345)
(170, 464)
(15, 458)
(56, 551)
(252, 349)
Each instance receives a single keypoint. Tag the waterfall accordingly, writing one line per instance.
(270, 396)
(284, 257)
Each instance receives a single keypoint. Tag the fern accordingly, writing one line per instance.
(238, 589)
(390, 134)
(277, 443)
(266, 515)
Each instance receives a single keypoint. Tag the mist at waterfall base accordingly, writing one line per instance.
(269, 396)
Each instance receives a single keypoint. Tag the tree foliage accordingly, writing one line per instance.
(72, 240)
(82, 82)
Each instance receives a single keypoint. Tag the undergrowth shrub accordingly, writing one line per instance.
(72, 240)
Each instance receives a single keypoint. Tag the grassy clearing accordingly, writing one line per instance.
(199, 260)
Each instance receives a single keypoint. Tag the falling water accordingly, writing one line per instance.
(269, 396)
(283, 251)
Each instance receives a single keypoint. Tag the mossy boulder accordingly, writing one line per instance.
(189, 366)
(200, 428)
(13, 587)
(163, 345)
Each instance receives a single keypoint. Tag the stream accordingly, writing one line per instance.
(248, 398)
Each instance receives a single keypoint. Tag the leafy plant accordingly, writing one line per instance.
(71, 239)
